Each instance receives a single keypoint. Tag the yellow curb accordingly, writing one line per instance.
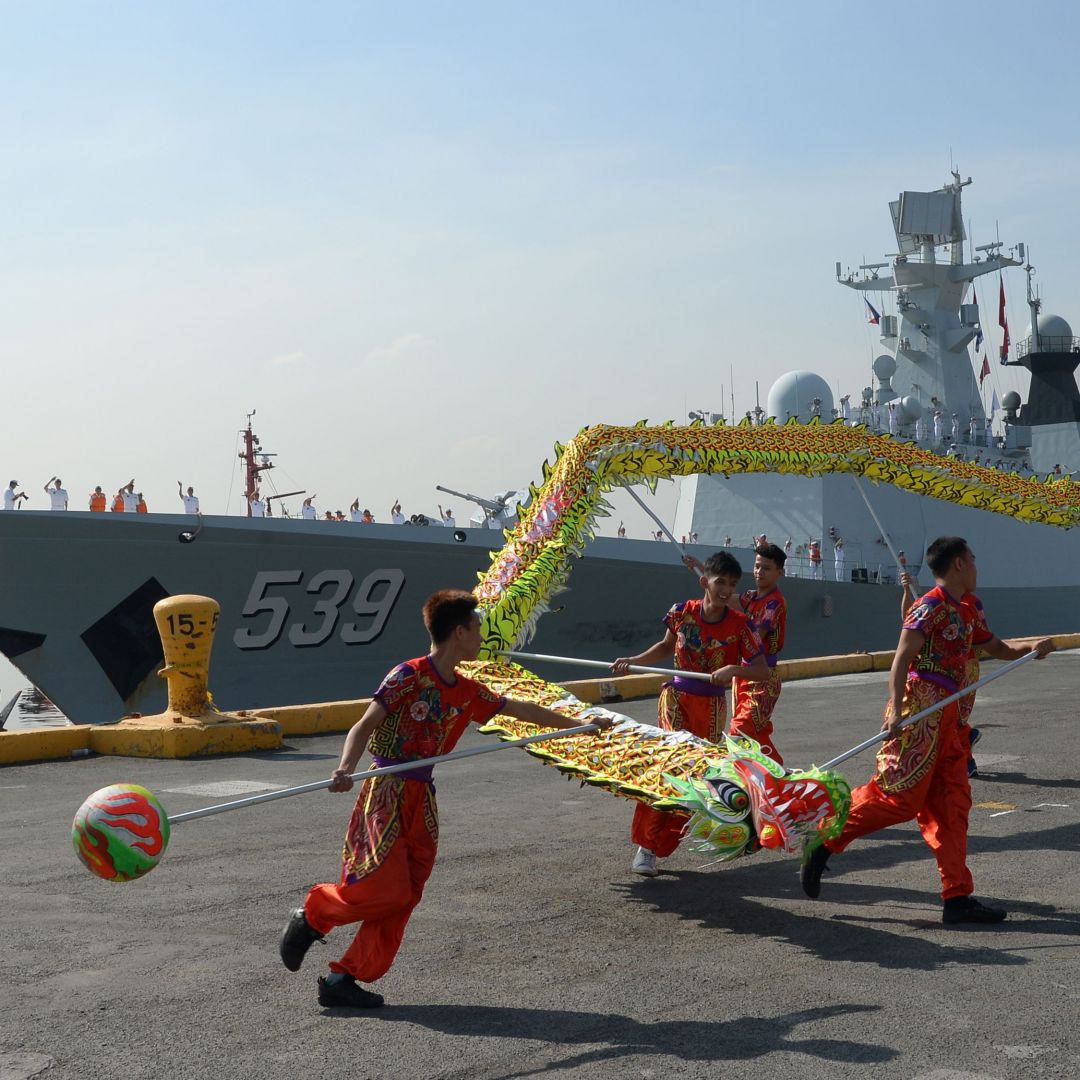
(267, 727)
(43, 744)
(130, 738)
(317, 719)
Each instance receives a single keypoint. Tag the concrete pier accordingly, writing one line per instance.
(535, 952)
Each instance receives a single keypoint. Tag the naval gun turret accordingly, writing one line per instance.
(499, 511)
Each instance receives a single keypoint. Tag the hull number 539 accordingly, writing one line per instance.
(326, 595)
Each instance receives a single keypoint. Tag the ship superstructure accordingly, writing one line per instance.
(926, 392)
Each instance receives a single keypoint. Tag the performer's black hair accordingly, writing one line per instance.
(772, 553)
(723, 564)
(941, 553)
(446, 610)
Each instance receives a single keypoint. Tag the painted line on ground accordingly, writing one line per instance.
(224, 787)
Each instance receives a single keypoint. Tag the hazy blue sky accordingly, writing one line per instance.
(426, 241)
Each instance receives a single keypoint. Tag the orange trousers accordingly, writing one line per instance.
(940, 802)
(661, 830)
(383, 900)
(752, 712)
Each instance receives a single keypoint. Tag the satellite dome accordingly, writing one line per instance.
(1055, 334)
(1011, 400)
(800, 394)
(913, 408)
(884, 367)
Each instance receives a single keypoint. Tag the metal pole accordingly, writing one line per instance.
(881, 735)
(881, 528)
(704, 676)
(403, 766)
(663, 528)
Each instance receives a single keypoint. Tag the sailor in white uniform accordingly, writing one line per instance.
(57, 495)
(191, 500)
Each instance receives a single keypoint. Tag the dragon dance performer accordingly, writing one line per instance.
(703, 635)
(922, 770)
(971, 675)
(420, 710)
(765, 607)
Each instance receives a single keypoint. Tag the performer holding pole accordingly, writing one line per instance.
(765, 607)
(971, 667)
(420, 710)
(703, 635)
(922, 769)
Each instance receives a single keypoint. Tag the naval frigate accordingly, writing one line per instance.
(314, 612)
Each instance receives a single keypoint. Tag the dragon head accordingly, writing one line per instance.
(782, 809)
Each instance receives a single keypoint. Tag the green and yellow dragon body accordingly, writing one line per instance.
(737, 798)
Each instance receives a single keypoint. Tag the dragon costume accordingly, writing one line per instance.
(737, 798)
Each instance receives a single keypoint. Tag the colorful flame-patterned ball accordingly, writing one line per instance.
(120, 832)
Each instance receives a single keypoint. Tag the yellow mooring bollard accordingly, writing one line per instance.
(186, 625)
(190, 724)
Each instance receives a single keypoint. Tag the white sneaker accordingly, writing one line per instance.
(644, 863)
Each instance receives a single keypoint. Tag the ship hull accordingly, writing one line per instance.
(313, 611)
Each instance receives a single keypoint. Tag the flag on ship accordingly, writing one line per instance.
(994, 405)
(978, 328)
(984, 370)
(872, 316)
(1003, 322)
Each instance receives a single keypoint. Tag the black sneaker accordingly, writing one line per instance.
(813, 866)
(296, 939)
(974, 735)
(347, 993)
(966, 909)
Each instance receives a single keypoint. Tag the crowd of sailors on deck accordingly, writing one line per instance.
(129, 501)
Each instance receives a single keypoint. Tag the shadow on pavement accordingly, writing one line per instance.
(688, 1040)
(989, 775)
(718, 901)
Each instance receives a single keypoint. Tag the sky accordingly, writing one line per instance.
(427, 241)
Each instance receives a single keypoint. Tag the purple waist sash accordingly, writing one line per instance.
(938, 680)
(696, 687)
(423, 774)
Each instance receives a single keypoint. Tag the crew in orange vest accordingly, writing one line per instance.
(140, 507)
(98, 501)
(118, 502)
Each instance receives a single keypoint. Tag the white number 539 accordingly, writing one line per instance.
(372, 603)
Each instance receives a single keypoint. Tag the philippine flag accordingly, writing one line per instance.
(872, 315)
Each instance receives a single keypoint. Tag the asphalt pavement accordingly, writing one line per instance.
(536, 953)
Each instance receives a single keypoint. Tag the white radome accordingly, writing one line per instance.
(913, 407)
(1052, 326)
(798, 394)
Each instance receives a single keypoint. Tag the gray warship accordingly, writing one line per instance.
(315, 612)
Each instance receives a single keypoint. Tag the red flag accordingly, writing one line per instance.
(985, 370)
(1003, 322)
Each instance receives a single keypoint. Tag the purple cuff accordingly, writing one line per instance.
(770, 659)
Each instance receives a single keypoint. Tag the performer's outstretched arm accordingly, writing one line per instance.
(999, 650)
(911, 642)
(532, 713)
(664, 649)
(355, 745)
(757, 670)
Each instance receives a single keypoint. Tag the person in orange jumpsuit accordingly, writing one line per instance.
(420, 710)
(703, 635)
(765, 607)
(922, 769)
